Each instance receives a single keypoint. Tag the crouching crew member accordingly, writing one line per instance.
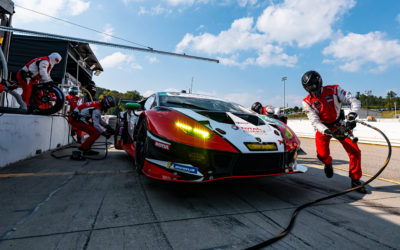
(87, 117)
(323, 108)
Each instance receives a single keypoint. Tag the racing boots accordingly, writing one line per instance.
(356, 183)
(328, 170)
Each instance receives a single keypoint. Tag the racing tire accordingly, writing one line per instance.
(141, 148)
(46, 100)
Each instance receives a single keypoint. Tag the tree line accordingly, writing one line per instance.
(129, 95)
(370, 101)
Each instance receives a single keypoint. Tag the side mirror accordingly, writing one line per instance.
(133, 106)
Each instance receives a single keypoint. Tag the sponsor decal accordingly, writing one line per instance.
(317, 104)
(182, 168)
(161, 145)
(234, 127)
(254, 130)
(329, 99)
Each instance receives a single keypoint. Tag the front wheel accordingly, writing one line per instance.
(46, 100)
(141, 149)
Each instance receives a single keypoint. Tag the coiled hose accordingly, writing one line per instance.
(297, 211)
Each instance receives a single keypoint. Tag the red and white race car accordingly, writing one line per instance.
(195, 138)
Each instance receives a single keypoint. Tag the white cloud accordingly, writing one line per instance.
(180, 2)
(152, 59)
(240, 37)
(243, 3)
(185, 2)
(305, 22)
(49, 7)
(120, 61)
(107, 33)
(356, 50)
(77, 7)
(154, 11)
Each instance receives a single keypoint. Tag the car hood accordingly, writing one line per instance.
(238, 128)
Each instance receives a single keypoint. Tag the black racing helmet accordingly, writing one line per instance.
(256, 107)
(73, 90)
(312, 82)
(107, 102)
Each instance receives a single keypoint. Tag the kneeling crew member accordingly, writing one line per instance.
(323, 108)
(92, 110)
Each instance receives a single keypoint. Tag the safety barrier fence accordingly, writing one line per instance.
(391, 127)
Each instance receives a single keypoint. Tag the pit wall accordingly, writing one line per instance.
(24, 136)
(390, 127)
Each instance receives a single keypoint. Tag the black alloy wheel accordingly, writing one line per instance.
(141, 149)
(46, 100)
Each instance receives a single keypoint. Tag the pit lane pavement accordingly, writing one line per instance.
(64, 204)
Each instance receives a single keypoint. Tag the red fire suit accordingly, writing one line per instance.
(324, 113)
(35, 70)
(87, 111)
(73, 102)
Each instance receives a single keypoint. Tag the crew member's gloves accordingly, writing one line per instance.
(328, 132)
(106, 134)
(75, 115)
(110, 130)
(351, 120)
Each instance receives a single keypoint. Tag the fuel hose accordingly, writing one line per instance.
(308, 204)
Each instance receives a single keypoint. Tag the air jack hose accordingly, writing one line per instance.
(297, 211)
(70, 146)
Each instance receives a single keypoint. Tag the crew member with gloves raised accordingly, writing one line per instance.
(36, 70)
(80, 119)
(323, 108)
(269, 111)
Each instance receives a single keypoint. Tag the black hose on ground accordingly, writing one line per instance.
(72, 146)
(297, 211)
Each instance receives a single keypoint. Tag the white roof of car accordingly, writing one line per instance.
(191, 95)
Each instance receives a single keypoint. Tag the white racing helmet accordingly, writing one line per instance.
(54, 58)
(269, 109)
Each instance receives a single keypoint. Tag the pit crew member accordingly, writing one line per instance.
(323, 108)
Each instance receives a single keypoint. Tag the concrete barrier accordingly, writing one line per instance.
(391, 127)
(23, 136)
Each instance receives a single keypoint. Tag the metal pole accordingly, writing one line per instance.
(284, 93)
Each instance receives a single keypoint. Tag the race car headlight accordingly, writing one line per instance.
(268, 146)
(198, 132)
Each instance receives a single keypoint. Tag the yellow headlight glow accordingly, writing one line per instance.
(193, 131)
(261, 147)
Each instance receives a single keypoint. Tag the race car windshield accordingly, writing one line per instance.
(201, 104)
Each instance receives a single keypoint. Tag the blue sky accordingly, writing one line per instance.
(353, 43)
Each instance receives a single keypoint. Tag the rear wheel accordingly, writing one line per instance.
(141, 149)
(46, 100)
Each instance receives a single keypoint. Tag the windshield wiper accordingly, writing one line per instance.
(188, 105)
